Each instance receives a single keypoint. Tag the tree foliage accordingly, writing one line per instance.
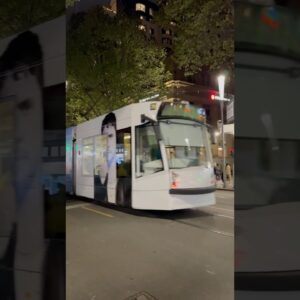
(70, 2)
(203, 33)
(109, 64)
(20, 15)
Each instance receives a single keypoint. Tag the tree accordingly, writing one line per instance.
(20, 15)
(203, 33)
(109, 64)
(70, 3)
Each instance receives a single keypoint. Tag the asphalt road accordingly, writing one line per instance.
(117, 254)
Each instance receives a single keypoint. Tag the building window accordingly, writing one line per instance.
(142, 27)
(140, 7)
(54, 151)
(151, 12)
(166, 31)
(166, 41)
(45, 151)
(62, 151)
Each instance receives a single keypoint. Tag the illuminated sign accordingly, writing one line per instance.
(270, 17)
(183, 110)
(153, 106)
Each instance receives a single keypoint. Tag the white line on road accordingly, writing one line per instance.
(223, 216)
(75, 206)
(221, 232)
(225, 209)
(210, 211)
(97, 212)
(205, 228)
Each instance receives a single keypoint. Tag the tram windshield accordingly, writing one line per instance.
(187, 143)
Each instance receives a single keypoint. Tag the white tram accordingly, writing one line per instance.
(152, 155)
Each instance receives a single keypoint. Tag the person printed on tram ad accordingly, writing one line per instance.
(107, 171)
(22, 227)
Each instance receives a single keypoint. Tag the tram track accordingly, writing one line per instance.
(211, 229)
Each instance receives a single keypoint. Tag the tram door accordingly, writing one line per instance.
(74, 152)
(71, 161)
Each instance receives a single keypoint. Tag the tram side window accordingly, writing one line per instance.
(87, 156)
(148, 155)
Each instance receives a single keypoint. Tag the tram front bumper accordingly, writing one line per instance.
(174, 199)
(193, 191)
(191, 198)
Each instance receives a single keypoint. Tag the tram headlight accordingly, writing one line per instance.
(175, 180)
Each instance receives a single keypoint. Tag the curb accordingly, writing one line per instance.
(222, 189)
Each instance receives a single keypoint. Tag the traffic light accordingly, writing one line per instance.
(212, 95)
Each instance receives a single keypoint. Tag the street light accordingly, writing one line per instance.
(221, 83)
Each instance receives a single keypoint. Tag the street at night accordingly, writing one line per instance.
(118, 254)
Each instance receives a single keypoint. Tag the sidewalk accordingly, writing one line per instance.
(225, 189)
(229, 186)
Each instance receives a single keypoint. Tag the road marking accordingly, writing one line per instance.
(232, 210)
(224, 216)
(221, 232)
(141, 296)
(210, 272)
(97, 212)
(211, 212)
(204, 227)
(75, 206)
